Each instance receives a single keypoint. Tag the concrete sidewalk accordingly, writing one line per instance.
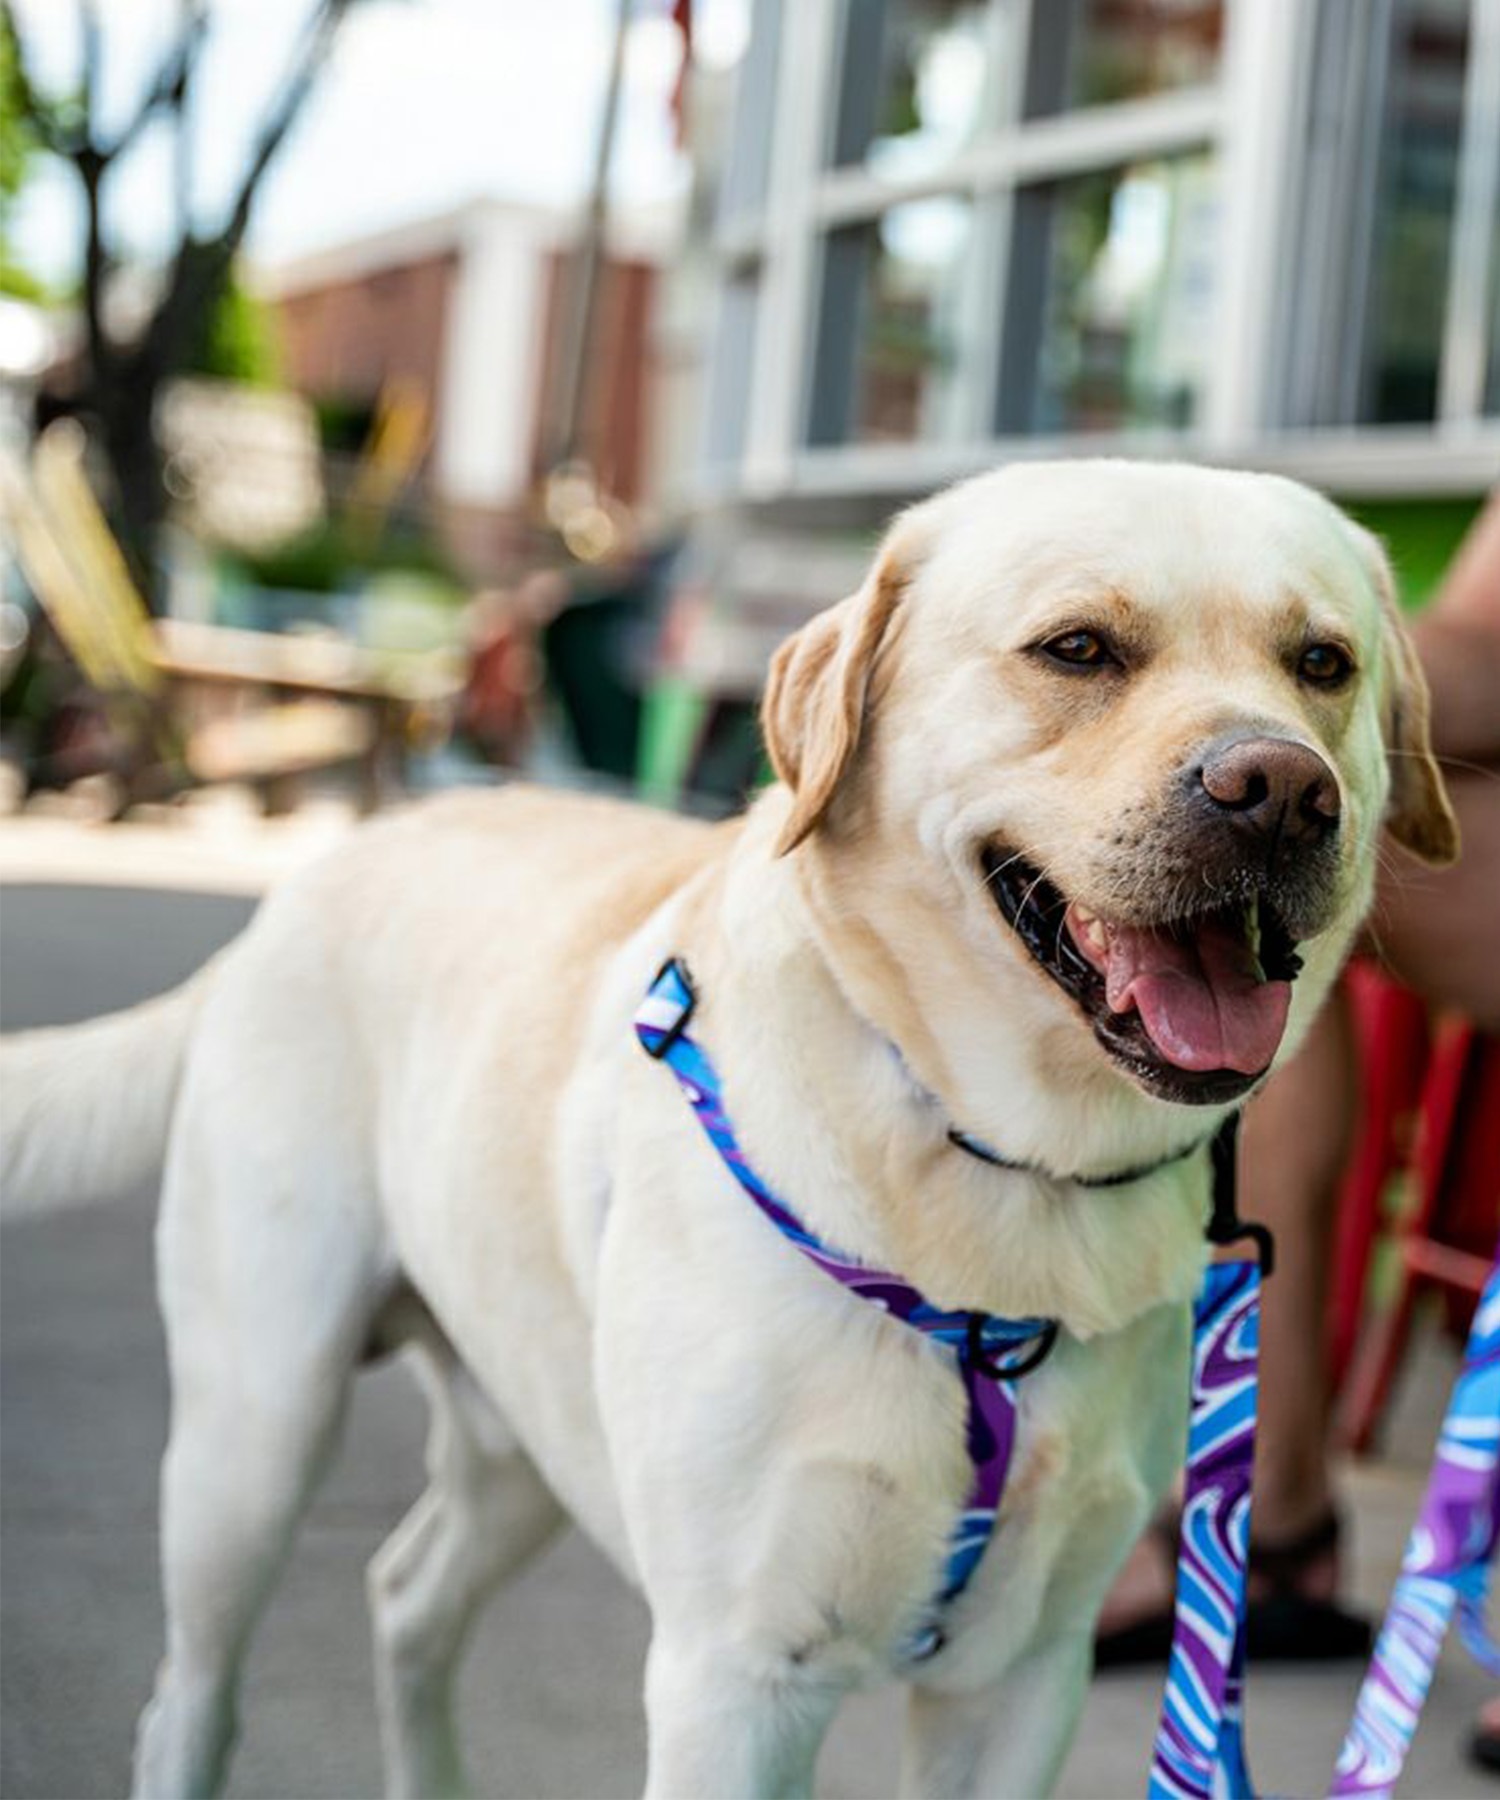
(551, 1690)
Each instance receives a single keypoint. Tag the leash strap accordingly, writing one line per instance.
(1446, 1568)
(992, 1352)
(1201, 1726)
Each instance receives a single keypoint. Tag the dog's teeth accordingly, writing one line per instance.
(1091, 925)
(1252, 939)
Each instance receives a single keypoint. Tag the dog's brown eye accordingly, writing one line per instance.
(1079, 649)
(1325, 665)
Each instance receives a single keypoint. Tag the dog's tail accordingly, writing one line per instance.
(85, 1109)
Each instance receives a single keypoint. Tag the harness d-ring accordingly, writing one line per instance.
(977, 1357)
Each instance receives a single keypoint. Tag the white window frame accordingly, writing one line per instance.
(1249, 119)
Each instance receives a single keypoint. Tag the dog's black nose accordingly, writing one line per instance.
(1272, 788)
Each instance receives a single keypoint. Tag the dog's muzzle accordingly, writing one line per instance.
(1190, 990)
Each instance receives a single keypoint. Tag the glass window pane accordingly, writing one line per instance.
(915, 77)
(735, 76)
(1492, 375)
(1414, 209)
(888, 351)
(728, 408)
(1111, 285)
(1092, 52)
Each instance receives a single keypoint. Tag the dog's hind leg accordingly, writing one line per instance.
(268, 1285)
(484, 1513)
(1008, 1738)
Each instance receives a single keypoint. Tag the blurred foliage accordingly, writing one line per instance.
(17, 284)
(18, 144)
(237, 341)
(342, 552)
(16, 141)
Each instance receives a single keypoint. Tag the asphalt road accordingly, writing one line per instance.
(550, 1699)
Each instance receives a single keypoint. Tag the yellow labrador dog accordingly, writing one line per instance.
(1093, 763)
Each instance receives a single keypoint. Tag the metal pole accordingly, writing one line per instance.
(583, 289)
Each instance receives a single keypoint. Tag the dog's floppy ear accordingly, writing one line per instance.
(1418, 814)
(814, 705)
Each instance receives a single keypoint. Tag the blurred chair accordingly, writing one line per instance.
(334, 708)
(1431, 1112)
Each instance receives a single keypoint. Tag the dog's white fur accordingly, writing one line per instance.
(407, 1107)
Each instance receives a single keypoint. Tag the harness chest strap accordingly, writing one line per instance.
(1200, 1727)
(992, 1352)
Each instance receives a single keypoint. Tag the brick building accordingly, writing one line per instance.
(468, 311)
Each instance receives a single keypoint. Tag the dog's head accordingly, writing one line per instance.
(1131, 728)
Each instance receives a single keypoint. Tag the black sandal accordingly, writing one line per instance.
(1484, 1749)
(1149, 1638)
(1282, 1626)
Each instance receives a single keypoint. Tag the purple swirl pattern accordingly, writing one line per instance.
(659, 1024)
(1201, 1728)
(1446, 1567)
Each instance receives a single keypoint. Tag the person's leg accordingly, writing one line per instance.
(1296, 1142)
(1438, 929)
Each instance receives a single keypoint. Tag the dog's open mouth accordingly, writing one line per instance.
(1194, 1008)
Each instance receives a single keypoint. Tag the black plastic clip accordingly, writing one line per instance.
(1225, 1226)
(673, 966)
(977, 1357)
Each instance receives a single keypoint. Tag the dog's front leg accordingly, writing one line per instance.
(1007, 1739)
(723, 1727)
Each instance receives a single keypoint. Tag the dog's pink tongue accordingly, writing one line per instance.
(1198, 998)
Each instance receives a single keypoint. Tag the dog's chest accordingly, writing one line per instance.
(1097, 1439)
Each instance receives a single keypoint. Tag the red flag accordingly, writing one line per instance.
(682, 18)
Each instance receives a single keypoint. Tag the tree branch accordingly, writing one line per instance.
(202, 265)
(170, 85)
(42, 116)
(316, 42)
(194, 21)
(93, 52)
(96, 264)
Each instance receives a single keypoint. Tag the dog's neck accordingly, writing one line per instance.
(808, 1017)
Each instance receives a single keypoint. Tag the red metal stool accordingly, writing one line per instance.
(1431, 1107)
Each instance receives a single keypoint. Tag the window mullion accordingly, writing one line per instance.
(1267, 55)
(783, 334)
(1461, 378)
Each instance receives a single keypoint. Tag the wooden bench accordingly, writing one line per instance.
(313, 704)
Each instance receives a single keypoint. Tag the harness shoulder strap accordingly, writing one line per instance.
(992, 1353)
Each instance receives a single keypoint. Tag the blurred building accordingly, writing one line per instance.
(468, 314)
(953, 232)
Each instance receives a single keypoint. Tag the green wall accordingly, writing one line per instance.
(1421, 536)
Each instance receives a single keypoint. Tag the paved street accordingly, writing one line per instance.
(550, 1701)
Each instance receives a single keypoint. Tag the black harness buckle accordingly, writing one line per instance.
(673, 966)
